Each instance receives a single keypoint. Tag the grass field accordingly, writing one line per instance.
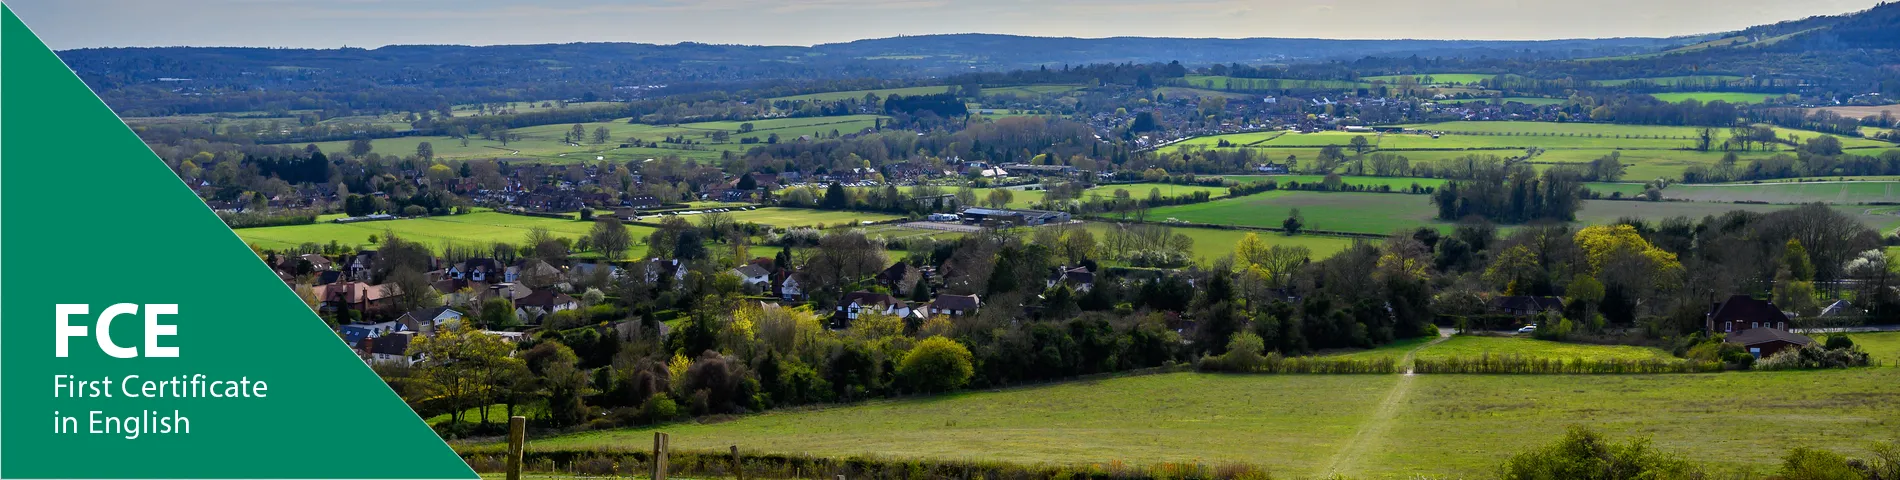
(1706, 97)
(468, 229)
(544, 142)
(1829, 192)
(1883, 347)
(1211, 244)
(1383, 213)
(1434, 78)
(1473, 346)
(1524, 100)
(798, 217)
(1365, 426)
(1672, 81)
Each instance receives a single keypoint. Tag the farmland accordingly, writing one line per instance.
(1382, 213)
(1804, 192)
(1434, 78)
(489, 227)
(1705, 97)
(544, 142)
(1300, 425)
(1211, 244)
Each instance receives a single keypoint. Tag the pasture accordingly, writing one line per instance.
(1363, 426)
(1789, 192)
(1706, 97)
(1211, 244)
(478, 228)
(1434, 78)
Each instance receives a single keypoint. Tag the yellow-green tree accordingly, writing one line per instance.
(937, 364)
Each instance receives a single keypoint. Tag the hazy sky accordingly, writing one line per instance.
(65, 24)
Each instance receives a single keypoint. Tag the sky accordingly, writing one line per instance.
(67, 24)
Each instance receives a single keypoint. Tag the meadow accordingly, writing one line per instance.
(1364, 426)
(1211, 244)
(1465, 346)
(1785, 192)
(1434, 78)
(1706, 97)
(481, 228)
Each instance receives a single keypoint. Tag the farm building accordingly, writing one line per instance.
(1741, 313)
(991, 216)
(1765, 341)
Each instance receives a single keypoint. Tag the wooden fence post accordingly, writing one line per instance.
(738, 467)
(517, 438)
(659, 456)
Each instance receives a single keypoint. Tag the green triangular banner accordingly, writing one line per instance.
(91, 217)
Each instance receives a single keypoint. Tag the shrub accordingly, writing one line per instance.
(1586, 455)
(937, 364)
(1488, 363)
(1810, 464)
(1814, 356)
(659, 408)
(1837, 342)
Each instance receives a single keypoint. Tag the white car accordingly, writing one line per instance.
(1527, 329)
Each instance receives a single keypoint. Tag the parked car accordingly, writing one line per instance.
(1527, 329)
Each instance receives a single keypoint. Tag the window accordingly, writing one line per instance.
(1754, 325)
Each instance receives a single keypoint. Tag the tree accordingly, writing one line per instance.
(577, 133)
(610, 237)
(1359, 144)
(497, 312)
(937, 364)
(360, 147)
(1294, 222)
(1000, 198)
(836, 198)
(600, 135)
(747, 183)
(425, 150)
(458, 362)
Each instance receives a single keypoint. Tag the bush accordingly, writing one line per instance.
(1814, 356)
(937, 364)
(1587, 455)
(659, 408)
(1838, 342)
(1488, 363)
(1810, 464)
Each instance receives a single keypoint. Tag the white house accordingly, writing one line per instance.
(426, 320)
(753, 277)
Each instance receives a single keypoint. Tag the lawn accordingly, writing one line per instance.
(1365, 426)
(1465, 346)
(1883, 347)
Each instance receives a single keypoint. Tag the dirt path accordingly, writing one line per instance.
(1372, 433)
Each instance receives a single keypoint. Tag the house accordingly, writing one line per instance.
(426, 320)
(1764, 341)
(1079, 279)
(318, 262)
(642, 202)
(358, 296)
(543, 302)
(862, 302)
(753, 277)
(477, 270)
(392, 348)
(1741, 313)
(788, 288)
(1841, 308)
(1271, 168)
(900, 277)
(953, 305)
(655, 269)
(514, 292)
(1524, 306)
(362, 265)
(532, 272)
(355, 334)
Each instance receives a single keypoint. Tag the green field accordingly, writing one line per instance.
(544, 141)
(1212, 244)
(1473, 346)
(1524, 100)
(1384, 213)
(1807, 192)
(469, 229)
(1434, 78)
(798, 217)
(1364, 426)
(1706, 97)
(1673, 81)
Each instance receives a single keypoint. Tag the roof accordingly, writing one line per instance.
(545, 298)
(1760, 335)
(896, 272)
(1746, 308)
(392, 344)
(956, 302)
(751, 271)
(870, 298)
(430, 313)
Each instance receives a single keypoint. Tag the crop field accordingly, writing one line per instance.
(1431, 78)
(1806, 192)
(468, 229)
(1473, 346)
(1364, 426)
(1706, 97)
(1211, 244)
(544, 141)
(1141, 190)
